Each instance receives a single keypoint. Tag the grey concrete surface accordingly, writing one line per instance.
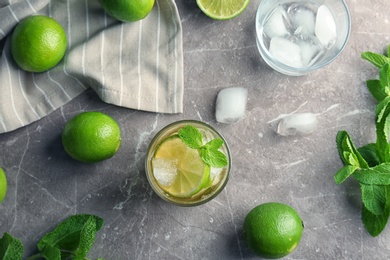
(46, 185)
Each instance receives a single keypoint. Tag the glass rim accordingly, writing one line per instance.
(295, 71)
(160, 192)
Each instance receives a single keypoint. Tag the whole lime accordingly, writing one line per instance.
(3, 185)
(272, 230)
(127, 10)
(91, 137)
(38, 43)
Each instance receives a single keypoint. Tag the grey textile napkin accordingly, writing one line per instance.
(137, 65)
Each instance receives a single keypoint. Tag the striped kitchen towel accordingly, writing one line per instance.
(136, 65)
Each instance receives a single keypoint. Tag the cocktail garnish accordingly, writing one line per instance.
(209, 152)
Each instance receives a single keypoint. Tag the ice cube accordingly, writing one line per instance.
(215, 172)
(297, 124)
(276, 24)
(303, 19)
(164, 171)
(286, 52)
(309, 52)
(231, 105)
(325, 28)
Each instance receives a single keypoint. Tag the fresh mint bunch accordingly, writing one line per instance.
(209, 152)
(370, 164)
(71, 239)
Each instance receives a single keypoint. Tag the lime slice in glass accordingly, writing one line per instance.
(222, 9)
(178, 169)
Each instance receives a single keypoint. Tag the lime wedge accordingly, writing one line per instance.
(222, 9)
(178, 169)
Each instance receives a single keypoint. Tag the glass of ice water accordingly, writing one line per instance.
(296, 37)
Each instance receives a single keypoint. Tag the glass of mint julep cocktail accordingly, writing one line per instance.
(188, 163)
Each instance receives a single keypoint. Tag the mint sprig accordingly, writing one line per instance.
(71, 239)
(370, 164)
(209, 152)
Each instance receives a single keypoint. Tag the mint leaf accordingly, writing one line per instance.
(369, 154)
(382, 109)
(344, 173)
(382, 130)
(342, 147)
(213, 157)
(87, 238)
(376, 59)
(351, 158)
(376, 90)
(347, 151)
(214, 144)
(375, 224)
(388, 50)
(378, 175)
(10, 248)
(191, 136)
(374, 198)
(384, 77)
(379, 110)
(70, 236)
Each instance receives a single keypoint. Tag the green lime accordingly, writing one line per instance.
(3, 185)
(178, 169)
(272, 230)
(222, 9)
(38, 43)
(127, 10)
(91, 137)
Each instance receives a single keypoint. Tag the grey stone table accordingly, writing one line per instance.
(46, 186)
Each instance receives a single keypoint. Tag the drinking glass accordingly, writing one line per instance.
(295, 37)
(219, 176)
